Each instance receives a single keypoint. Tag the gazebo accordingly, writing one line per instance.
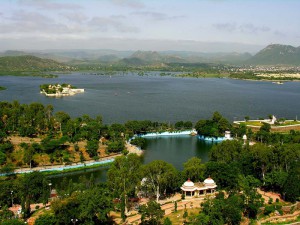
(191, 189)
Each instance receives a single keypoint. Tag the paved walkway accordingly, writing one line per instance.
(70, 166)
(103, 160)
(168, 206)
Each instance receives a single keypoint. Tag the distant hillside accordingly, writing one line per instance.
(132, 62)
(66, 56)
(170, 57)
(151, 58)
(131, 58)
(276, 54)
(212, 57)
(30, 63)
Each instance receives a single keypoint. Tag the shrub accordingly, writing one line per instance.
(269, 209)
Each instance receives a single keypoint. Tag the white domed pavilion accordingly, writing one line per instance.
(199, 189)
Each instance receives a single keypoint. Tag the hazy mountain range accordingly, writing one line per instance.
(274, 54)
(277, 54)
(30, 63)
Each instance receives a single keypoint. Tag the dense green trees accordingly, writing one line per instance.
(291, 187)
(115, 146)
(193, 169)
(32, 187)
(92, 147)
(226, 151)
(13, 222)
(95, 204)
(6, 214)
(159, 177)
(151, 213)
(271, 164)
(221, 210)
(139, 141)
(229, 210)
(25, 190)
(123, 177)
(214, 127)
(91, 206)
(45, 219)
(183, 125)
(167, 221)
(57, 130)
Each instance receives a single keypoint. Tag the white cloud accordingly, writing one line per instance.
(49, 5)
(136, 4)
(250, 28)
(105, 24)
(228, 27)
(74, 17)
(155, 15)
(243, 28)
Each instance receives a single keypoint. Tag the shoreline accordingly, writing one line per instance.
(94, 163)
(64, 168)
(167, 133)
(202, 77)
(76, 166)
(266, 80)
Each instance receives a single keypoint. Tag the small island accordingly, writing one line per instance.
(2, 88)
(59, 90)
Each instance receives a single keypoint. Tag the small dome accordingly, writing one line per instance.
(244, 137)
(188, 183)
(209, 181)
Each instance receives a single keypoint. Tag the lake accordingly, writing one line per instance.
(120, 98)
(172, 149)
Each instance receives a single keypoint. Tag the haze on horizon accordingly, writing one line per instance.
(193, 25)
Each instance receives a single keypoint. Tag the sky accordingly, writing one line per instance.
(191, 25)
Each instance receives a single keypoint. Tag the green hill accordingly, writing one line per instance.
(143, 58)
(28, 63)
(276, 54)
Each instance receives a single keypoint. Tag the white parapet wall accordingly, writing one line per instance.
(167, 133)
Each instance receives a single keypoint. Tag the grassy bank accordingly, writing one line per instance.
(63, 171)
(70, 170)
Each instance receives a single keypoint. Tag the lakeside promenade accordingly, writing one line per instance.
(89, 163)
(104, 160)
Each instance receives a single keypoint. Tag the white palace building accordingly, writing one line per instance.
(199, 189)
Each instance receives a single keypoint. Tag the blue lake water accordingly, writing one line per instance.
(120, 98)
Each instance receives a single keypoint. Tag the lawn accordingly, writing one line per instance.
(252, 123)
(177, 217)
(290, 122)
(259, 123)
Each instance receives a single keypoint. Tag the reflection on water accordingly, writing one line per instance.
(175, 150)
(99, 175)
